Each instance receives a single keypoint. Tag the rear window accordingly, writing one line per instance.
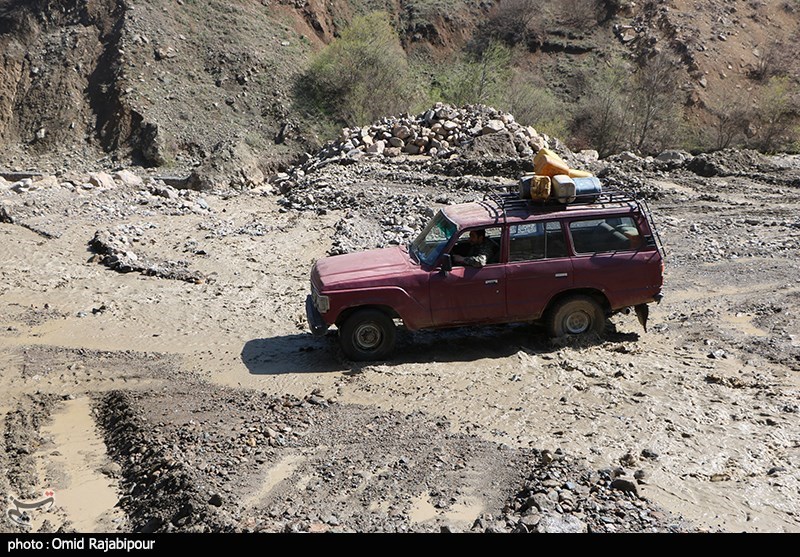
(605, 235)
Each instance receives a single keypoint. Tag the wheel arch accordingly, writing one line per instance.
(345, 314)
(593, 293)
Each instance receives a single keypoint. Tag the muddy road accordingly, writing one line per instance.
(172, 377)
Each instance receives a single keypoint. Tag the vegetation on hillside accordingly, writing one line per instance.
(617, 103)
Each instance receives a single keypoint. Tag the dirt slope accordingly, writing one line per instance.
(90, 85)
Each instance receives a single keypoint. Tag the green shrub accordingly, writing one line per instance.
(777, 115)
(360, 76)
(533, 104)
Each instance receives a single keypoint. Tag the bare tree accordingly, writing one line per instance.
(654, 100)
(579, 13)
(512, 22)
(602, 117)
(776, 59)
(731, 117)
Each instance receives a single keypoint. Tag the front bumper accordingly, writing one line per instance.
(315, 321)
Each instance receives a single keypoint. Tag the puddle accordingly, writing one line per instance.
(422, 509)
(745, 324)
(70, 467)
(461, 513)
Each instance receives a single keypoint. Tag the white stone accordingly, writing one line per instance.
(128, 178)
(101, 180)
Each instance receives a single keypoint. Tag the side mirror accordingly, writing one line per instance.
(447, 263)
(649, 241)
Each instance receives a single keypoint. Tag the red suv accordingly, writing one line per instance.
(568, 265)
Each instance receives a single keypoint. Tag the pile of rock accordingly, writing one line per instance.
(562, 495)
(438, 132)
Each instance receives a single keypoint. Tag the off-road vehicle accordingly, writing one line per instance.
(568, 265)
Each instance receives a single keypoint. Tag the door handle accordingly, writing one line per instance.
(561, 275)
(492, 281)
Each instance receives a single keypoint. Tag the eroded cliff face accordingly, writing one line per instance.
(58, 66)
(152, 83)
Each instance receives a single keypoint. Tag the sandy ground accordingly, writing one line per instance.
(711, 388)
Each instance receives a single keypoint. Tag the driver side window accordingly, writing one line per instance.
(478, 251)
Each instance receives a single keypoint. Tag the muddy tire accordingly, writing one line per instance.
(577, 315)
(368, 334)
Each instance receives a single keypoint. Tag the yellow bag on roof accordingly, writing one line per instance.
(547, 163)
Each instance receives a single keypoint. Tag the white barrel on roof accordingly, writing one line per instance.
(563, 188)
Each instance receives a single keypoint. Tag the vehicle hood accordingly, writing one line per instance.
(362, 269)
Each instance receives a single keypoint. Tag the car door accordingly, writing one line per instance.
(467, 295)
(539, 267)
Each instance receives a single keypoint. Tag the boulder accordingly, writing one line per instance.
(128, 178)
(101, 180)
(498, 145)
(492, 126)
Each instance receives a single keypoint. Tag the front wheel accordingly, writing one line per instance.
(575, 316)
(368, 334)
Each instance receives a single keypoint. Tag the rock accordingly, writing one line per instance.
(128, 178)
(561, 524)
(627, 156)
(152, 144)
(102, 180)
(401, 132)
(449, 126)
(673, 156)
(623, 484)
(215, 500)
(492, 126)
(112, 470)
(22, 185)
(499, 145)
(649, 453)
(377, 148)
(542, 502)
(353, 154)
(47, 182)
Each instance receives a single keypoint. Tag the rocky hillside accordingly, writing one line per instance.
(180, 84)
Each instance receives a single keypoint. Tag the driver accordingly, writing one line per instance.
(480, 250)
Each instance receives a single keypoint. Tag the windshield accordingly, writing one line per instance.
(429, 244)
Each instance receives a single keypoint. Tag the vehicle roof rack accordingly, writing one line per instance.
(507, 198)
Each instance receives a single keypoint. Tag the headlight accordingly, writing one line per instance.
(322, 303)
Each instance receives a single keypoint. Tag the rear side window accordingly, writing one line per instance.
(536, 240)
(605, 235)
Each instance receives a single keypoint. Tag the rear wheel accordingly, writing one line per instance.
(368, 334)
(576, 315)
